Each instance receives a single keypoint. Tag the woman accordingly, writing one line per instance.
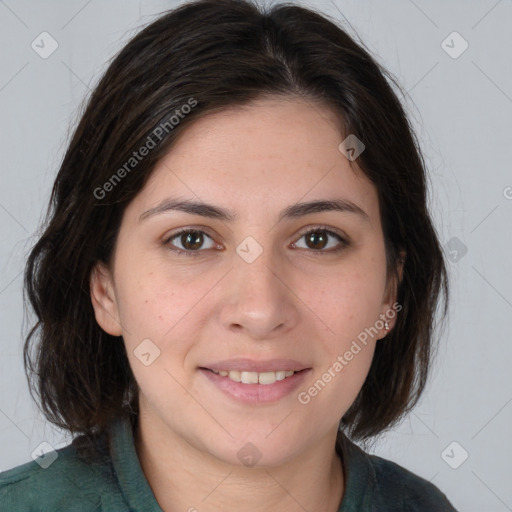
(237, 279)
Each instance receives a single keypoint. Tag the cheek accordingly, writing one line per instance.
(162, 315)
(151, 304)
(349, 305)
(349, 302)
(157, 335)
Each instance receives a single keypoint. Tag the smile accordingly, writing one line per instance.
(253, 387)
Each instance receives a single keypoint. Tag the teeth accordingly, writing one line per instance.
(234, 375)
(267, 377)
(249, 377)
(255, 377)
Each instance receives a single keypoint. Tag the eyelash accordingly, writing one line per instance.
(343, 243)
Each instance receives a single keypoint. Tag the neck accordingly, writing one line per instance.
(184, 478)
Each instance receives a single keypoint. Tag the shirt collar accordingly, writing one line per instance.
(132, 481)
(360, 478)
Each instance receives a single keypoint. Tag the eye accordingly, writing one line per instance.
(189, 242)
(320, 238)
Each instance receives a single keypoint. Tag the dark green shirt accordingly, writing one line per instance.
(116, 483)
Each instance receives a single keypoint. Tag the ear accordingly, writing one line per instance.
(104, 300)
(390, 311)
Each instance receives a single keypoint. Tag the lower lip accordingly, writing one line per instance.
(256, 393)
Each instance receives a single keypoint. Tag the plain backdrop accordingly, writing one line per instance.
(460, 100)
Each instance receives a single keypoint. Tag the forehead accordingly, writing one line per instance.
(260, 157)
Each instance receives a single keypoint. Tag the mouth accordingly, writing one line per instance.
(250, 377)
(256, 387)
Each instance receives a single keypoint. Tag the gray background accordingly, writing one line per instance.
(460, 108)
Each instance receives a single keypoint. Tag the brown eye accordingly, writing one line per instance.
(316, 240)
(319, 239)
(192, 240)
(189, 241)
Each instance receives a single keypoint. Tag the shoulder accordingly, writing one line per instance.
(377, 484)
(400, 489)
(63, 482)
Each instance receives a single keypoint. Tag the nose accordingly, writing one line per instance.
(258, 299)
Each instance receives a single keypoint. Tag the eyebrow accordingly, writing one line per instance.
(293, 211)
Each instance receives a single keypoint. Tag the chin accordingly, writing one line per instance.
(256, 450)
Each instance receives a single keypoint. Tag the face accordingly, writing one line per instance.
(254, 283)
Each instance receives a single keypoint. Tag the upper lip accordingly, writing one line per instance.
(250, 365)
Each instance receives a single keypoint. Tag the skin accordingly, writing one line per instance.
(291, 302)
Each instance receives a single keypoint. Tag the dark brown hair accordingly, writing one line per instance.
(221, 54)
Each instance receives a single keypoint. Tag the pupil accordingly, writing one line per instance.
(189, 240)
(316, 238)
